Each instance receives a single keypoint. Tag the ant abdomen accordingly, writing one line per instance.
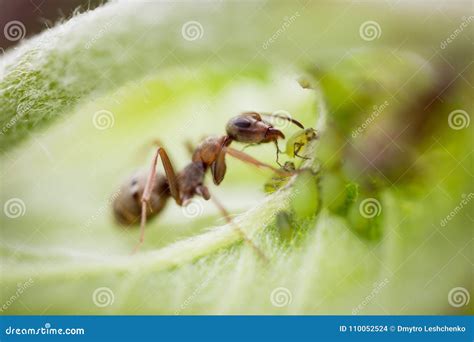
(127, 201)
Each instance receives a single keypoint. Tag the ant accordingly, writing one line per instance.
(145, 194)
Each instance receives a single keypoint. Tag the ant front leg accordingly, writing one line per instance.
(296, 148)
(252, 161)
(172, 183)
(228, 218)
(278, 153)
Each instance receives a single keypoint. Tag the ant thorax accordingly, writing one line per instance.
(208, 150)
(190, 179)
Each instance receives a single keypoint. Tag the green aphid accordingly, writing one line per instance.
(278, 180)
(296, 143)
(352, 192)
(283, 225)
(294, 148)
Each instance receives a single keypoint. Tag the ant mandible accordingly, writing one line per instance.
(145, 195)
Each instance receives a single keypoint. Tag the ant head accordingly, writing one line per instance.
(127, 201)
(250, 128)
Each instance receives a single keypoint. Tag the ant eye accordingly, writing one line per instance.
(242, 123)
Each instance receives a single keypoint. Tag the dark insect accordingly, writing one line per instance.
(144, 195)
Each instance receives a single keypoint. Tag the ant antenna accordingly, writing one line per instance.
(284, 117)
(278, 153)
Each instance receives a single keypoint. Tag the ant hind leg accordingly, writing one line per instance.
(228, 218)
(150, 183)
(252, 161)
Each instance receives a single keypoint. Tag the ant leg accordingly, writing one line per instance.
(302, 157)
(278, 153)
(247, 146)
(228, 218)
(173, 184)
(156, 142)
(170, 174)
(251, 160)
(142, 150)
(297, 147)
